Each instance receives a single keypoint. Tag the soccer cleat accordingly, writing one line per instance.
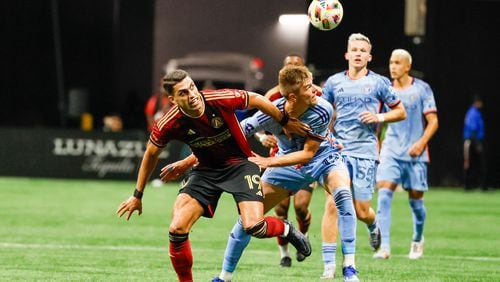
(382, 254)
(375, 239)
(286, 262)
(350, 274)
(300, 257)
(298, 240)
(416, 249)
(328, 272)
(217, 279)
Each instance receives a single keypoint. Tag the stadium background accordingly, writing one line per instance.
(116, 49)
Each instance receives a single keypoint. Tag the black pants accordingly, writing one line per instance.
(475, 174)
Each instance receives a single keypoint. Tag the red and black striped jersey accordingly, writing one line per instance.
(215, 138)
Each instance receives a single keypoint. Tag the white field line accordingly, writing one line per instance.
(7, 245)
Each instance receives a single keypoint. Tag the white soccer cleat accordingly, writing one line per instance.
(382, 254)
(328, 272)
(417, 249)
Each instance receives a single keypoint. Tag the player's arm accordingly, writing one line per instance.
(299, 157)
(148, 164)
(174, 170)
(292, 125)
(396, 113)
(430, 129)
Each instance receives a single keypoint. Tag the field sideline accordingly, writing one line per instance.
(67, 230)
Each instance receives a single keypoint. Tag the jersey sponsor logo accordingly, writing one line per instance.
(203, 142)
(216, 122)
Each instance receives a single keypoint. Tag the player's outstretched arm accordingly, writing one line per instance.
(292, 125)
(148, 164)
(295, 158)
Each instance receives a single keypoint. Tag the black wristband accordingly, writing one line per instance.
(137, 194)
(284, 119)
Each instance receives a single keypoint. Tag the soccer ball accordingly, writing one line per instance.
(325, 14)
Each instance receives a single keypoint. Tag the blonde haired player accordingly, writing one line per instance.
(404, 155)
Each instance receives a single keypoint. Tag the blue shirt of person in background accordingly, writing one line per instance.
(474, 123)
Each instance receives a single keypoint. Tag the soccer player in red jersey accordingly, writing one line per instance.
(206, 121)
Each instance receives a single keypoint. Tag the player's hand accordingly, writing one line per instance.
(416, 149)
(335, 143)
(367, 117)
(269, 141)
(130, 205)
(174, 170)
(260, 161)
(296, 126)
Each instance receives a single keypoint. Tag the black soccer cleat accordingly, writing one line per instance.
(300, 257)
(298, 240)
(286, 262)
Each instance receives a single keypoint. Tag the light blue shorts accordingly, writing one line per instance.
(411, 175)
(362, 173)
(294, 178)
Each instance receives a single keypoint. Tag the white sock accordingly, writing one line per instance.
(349, 260)
(226, 276)
(284, 251)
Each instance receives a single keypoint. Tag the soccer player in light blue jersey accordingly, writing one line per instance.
(404, 155)
(299, 162)
(358, 95)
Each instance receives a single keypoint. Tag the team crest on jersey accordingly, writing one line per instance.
(367, 89)
(216, 122)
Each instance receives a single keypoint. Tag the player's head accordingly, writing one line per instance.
(399, 63)
(477, 101)
(295, 82)
(183, 92)
(359, 49)
(172, 78)
(294, 59)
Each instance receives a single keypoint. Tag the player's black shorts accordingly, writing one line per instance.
(207, 184)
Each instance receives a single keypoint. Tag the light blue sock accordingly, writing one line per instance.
(329, 251)
(236, 244)
(419, 214)
(346, 219)
(384, 216)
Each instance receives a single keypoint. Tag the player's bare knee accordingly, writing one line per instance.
(258, 230)
(177, 229)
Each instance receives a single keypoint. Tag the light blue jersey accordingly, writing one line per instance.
(317, 117)
(326, 159)
(418, 100)
(351, 98)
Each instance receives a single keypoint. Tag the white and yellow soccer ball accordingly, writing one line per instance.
(325, 14)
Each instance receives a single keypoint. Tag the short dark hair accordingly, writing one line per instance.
(172, 78)
(477, 98)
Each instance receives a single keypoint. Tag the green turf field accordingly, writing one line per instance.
(67, 230)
